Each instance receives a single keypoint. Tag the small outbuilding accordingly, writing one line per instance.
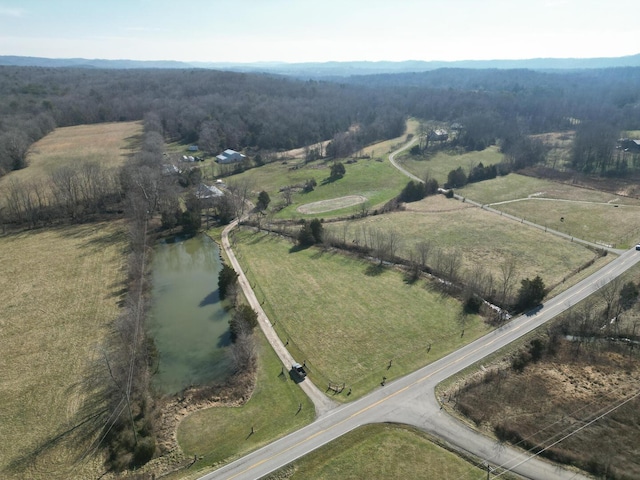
(208, 191)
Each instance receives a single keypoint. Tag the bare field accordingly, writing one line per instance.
(106, 143)
(61, 289)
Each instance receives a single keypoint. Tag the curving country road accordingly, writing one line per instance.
(411, 399)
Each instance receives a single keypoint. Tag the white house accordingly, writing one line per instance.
(230, 156)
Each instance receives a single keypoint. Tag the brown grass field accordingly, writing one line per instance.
(481, 237)
(106, 143)
(556, 396)
(61, 289)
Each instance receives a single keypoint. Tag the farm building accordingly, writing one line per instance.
(438, 134)
(208, 191)
(230, 156)
(629, 145)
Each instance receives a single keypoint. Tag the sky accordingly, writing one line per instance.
(242, 31)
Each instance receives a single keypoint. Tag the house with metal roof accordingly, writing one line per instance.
(230, 156)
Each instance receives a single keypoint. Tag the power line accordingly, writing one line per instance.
(624, 402)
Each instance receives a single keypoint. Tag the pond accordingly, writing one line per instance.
(187, 322)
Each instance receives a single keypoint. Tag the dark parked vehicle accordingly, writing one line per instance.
(299, 370)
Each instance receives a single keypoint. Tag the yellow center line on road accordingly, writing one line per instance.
(388, 397)
(416, 382)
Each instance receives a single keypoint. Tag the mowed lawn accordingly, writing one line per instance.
(480, 237)
(221, 434)
(587, 214)
(381, 452)
(61, 290)
(378, 181)
(106, 143)
(347, 318)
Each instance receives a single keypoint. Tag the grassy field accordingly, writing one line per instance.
(106, 143)
(515, 186)
(439, 165)
(381, 452)
(374, 178)
(481, 238)
(221, 434)
(587, 214)
(61, 289)
(346, 317)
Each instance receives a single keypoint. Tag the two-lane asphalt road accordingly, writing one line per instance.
(411, 399)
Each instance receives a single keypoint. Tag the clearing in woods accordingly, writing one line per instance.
(106, 143)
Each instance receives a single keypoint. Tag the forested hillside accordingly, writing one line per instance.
(269, 113)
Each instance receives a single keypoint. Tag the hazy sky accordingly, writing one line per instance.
(318, 30)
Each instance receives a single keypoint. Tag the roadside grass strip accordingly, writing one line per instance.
(219, 435)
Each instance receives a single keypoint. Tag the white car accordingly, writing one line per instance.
(638, 246)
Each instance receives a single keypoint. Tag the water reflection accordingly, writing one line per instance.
(187, 321)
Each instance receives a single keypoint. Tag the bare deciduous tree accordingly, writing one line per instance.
(423, 249)
(506, 281)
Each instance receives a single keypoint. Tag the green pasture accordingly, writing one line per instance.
(373, 177)
(480, 237)
(220, 434)
(439, 165)
(348, 318)
(377, 181)
(380, 452)
(515, 186)
(583, 213)
(600, 223)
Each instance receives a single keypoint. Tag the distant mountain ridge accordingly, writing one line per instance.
(333, 69)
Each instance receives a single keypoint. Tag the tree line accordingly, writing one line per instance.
(262, 113)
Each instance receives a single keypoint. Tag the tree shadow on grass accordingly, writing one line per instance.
(298, 248)
(84, 428)
(329, 180)
(374, 270)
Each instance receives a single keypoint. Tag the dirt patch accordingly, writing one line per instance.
(331, 204)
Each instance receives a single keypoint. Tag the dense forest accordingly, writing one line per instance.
(260, 112)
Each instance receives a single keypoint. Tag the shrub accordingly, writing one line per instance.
(144, 451)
